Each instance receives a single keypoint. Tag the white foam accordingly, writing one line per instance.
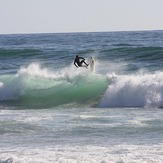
(142, 90)
(85, 154)
(34, 69)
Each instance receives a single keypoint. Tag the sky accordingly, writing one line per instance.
(60, 16)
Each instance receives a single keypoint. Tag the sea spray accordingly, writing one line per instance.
(135, 90)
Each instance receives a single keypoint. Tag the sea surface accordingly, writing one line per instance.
(51, 111)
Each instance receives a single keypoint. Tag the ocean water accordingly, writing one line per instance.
(51, 111)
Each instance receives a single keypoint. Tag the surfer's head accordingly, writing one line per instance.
(77, 56)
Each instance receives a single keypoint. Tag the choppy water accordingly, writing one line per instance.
(50, 111)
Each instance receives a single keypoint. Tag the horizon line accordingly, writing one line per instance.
(111, 31)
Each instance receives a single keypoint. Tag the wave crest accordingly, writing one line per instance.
(139, 90)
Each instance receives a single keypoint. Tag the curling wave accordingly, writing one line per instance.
(37, 87)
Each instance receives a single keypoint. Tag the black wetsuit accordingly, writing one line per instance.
(79, 63)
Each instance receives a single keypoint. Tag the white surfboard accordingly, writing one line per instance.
(92, 64)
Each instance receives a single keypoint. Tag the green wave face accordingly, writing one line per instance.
(85, 90)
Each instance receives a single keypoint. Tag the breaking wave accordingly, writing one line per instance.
(136, 90)
(37, 87)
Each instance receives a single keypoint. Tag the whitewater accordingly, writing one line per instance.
(51, 111)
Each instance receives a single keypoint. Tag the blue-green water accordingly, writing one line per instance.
(51, 111)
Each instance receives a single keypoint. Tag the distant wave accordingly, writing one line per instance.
(134, 50)
(18, 52)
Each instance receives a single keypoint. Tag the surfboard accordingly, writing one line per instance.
(92, 64)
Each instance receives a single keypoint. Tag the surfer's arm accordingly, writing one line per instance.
(82, 58)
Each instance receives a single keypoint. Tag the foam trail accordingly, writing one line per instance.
(139, 90)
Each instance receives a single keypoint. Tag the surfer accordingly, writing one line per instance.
(78, 61)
